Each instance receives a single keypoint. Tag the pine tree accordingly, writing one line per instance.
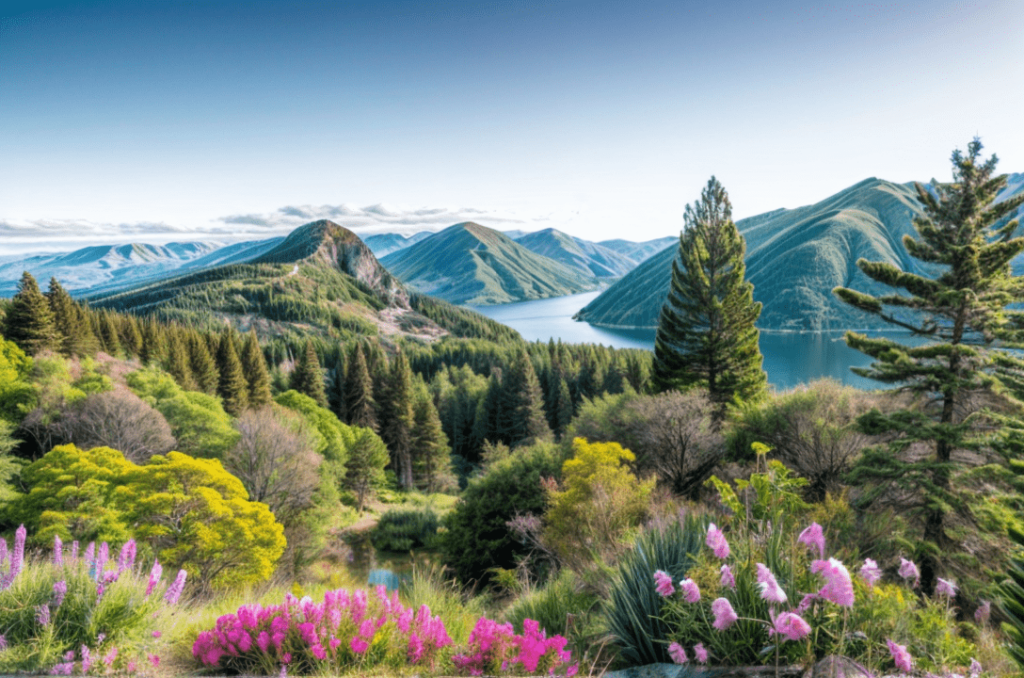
(431, 455)
(396, 418)
(307, 377)
(255, 367)
(177, 361)
(70, 323)
(204, 369)
(336, 398)
(961, 310)
(29, 321)
(706, 334)
(131, 335)
(110, 338)
(359, 400)
(152, 349)
(232, 386)
(522, 417)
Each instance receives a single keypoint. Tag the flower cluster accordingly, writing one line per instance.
(495, 648)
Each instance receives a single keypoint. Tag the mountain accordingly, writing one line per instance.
(639, 251)
(382, 244)
(587, 257)
(794, 259)
(104, 266)
(470, 264)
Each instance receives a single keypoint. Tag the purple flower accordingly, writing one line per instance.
(74, 550)
(110, 656)
(127, 558)
(728, 580)
(663, 584)
(976, 669)
(63, 669)
(43, 615)
(678, 654)
(102, 558)
(173, 592)
(154, 576)
(869, 572)
(17, 556)
(813, 537)
(725, 616)
(838, 586)
(58, 551)
(770, 589)
(60, 589)
(904, 662)
(691, 593)
(716, 542)
(908, 570)
(791, 626)
(701, 653)
(983, 612)
(946, 587)
(805, 603)
(86, 659)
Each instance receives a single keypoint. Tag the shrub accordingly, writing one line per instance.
(118, 419)
(563, 606)
(402, 530)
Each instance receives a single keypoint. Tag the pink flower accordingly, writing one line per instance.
(318, 651)
(154, 576)
(805, 603)
(359, 645)
(869, 572)
(109, 658)
(60, 590)
(725, 616)
(58, 551)
(904, 662)
(173, 592)
(701, 653)
(946, 587)
(838, 587)
(770, 589)
(908, 570)
(663, 584)
(691, 593)
(716, 542)
(678, 654)
(813, 536)
(976, 669)
(728, 580)
(983, 612)
(791, 626)
(157, 634)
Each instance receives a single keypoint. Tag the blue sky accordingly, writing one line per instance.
(171, 121)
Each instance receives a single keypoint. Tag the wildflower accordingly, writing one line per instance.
(691, 593)
(131, 666)
(69, 656)
(74, 550)
(717, 543)
(126, 560)
(60, 589)
(284, 671)
(109, 657)
(805, 603)
(770, 589)
(86, 659)
(983, 612)
(946, 587)
(58, 551)
(728, 580)
(975, 669)
(3, 642)
(908, 570)
(64, 669)
(286, 658)
(174, 590)
(663, 584)
(790, 625)
(43, 615)
(701, 653)
(869, 572)
(102, 557)
(18, 555)
(359, 645)
(678, 654)
(813, 536)
(904, 662)
(725, 616)
(157, 634)
(154, 576)
(318, 651)
(838, 587)
(153, 659)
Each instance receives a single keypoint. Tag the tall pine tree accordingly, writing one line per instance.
(29, 321)
(232, 387)
(521, 419)
(255, 367)
(71, 325)
(177, 361)
(968, 241)
(396, 417)
(706, 335)
(308, 377)
(431, 455)
(204, 369)
(359, 401)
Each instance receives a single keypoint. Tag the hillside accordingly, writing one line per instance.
(586, 257)
(320, 278)
(794, 258)
(471, 264)
(382, 244)
(639, 252)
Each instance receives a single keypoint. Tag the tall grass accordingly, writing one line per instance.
(445, 597)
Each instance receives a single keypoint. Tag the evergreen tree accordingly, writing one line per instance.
(359, 401)
(152, 349)
(522, 417)
(307, 377)
(204, 369)
(365, 468)
(489, 414)
(706, 335)
(256, 373)
(131, 335)
(336, 399)
(232, 386)
(431, 456)
(177, 362)
(110, 338)
(29, 321)
(396, 418)
(967, 239)
(71, 325)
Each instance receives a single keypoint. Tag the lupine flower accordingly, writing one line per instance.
(102, 557)
(173, 592)
(126, 560)
(904, 662)
(87, 659)
(691, 593)
(101, 637)
(89, 557)
(725, 616)
(976, 669)
(908, 570)
(770, 589)
(74, 550)
(728, 580)
(716, 542)
(154, 576)
(43, 615)
(109, 657)
(58, 551)
(791, 626)
(983, 612)
(284, 671)
(69, 656)
(18, 555)
(869, 572)
(838, 587)
(678, 654)
(60, 589)
(701, 653)
(946, 587)
(813, 536)
(663, 584)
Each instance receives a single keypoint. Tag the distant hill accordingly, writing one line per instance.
(794, 258)
(640, 251)
(470, 264)
(583, 255)
(382, 244)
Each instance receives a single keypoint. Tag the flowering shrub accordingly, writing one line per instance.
(360, 630)
(92, 612)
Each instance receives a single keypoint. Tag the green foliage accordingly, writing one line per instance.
(334, 439)
(255, 367)
(360, 405)
(16, 393)
(773, 494)
(563, 606)
(1011, 602)
(73, 331)
(367, 458)
(459, 609)
(29, 320)
(232, 386)
(403, 530)
(428, 446)
(308, 378)
(706, 334)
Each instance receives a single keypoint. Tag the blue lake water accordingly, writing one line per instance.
(789, 359)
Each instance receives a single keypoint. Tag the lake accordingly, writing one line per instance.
(789, 359)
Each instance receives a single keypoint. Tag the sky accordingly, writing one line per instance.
(173, 121)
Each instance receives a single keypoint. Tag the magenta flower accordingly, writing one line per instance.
(701, 653)
(869, 572)
(173, 592)
(946, 587)
(43, 615)
(318, 651)
(983, 612)
(770, 589)
(791, 626)
(908, 570)
(678, 654)
(153, 659)
(154, 576)
(725, 616)
(663, 584)
(126, 559)
(691, 593)
(728, 580)
(359, 645)
(813, 537)
(904, 662)
(838, 586)
(110, 656)
(805, 603)
(86, 659)
(716, 542)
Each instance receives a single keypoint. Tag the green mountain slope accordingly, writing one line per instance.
(587, 257)
(794, 258)
(470, 264)
(639, 251)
